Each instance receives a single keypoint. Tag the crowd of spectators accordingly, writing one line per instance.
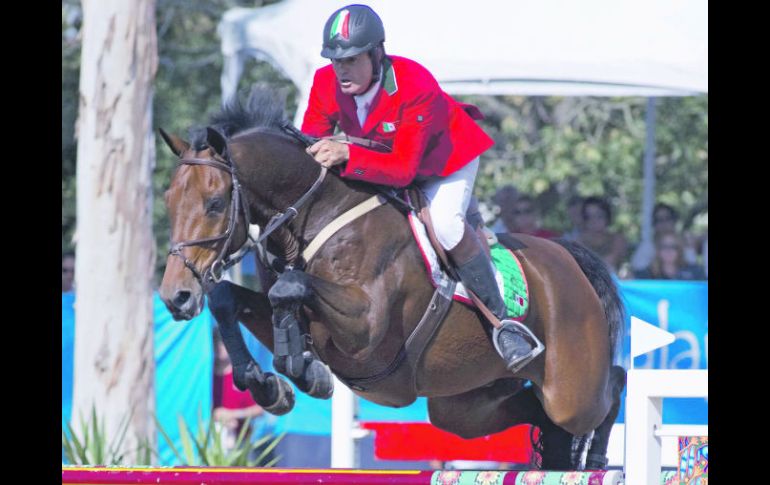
(673, 252)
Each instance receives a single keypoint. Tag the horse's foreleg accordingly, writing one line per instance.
(287, 296)
(227, 302)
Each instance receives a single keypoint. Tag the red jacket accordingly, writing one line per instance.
(429, 132)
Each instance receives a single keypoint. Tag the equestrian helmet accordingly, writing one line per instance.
(350, 31)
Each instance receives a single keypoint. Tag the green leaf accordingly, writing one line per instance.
(119, 437)
(184, 435)
(167, 438)
(245, 430)
(85, 435)
(272, 462)
(216, 448)
(273, 443)
(96, 445)
(69, 452)
(80, 452)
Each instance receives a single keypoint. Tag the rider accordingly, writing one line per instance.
(434, 142)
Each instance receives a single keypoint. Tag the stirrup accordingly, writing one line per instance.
(512, 325)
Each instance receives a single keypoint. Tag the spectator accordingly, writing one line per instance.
(504, 198)
(575, 214)
(521, 217)
(664, 220)
(669, 263)
(233, 408)
(596, 236)
(67, 272)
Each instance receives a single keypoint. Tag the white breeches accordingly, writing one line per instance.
(449, 198)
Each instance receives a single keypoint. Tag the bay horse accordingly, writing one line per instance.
(352, 307)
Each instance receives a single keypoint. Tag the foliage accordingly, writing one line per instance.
(92, 446)
(70, 76)
(206, 448)
(553, 148)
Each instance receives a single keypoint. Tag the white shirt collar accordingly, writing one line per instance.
(364, 101)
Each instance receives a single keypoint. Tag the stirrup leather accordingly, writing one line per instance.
(512, 325)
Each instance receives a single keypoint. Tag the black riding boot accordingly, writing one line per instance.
(513, 341)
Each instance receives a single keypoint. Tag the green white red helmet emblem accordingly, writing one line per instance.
(340, 25)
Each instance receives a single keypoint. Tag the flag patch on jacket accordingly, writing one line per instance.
(388, 127)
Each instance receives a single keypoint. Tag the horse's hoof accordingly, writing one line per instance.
(319, 380)
(248, 378)
(295, 365)
(580, 446)
(284, 401)
(596, 462)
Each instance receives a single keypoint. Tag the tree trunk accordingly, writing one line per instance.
(114, 362)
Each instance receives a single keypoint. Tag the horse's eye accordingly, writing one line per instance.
(215, 205)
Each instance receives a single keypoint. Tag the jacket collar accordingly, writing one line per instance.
(381, 104)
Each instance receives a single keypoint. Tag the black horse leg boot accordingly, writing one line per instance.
(513, 341)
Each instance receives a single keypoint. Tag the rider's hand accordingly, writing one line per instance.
(329, 153)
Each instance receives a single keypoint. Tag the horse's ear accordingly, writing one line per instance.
(216, 141)
(176, 144)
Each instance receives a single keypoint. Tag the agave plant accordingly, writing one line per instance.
(206, 448)
(91, 446)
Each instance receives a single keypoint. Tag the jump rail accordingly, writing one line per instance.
(277, 476)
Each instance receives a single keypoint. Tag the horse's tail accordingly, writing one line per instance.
(601, 279)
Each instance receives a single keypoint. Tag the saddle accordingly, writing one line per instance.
(510, 276)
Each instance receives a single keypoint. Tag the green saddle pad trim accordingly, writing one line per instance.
(515, 291)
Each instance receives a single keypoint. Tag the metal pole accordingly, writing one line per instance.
(343, 446)
(648, 195)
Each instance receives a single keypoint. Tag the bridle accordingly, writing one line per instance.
(238, 207)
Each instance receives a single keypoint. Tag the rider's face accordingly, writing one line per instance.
(353, 73)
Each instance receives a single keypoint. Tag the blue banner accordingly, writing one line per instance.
(679, 307)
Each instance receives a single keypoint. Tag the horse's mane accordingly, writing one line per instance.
(264, 108)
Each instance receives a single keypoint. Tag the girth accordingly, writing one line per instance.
(415, 344)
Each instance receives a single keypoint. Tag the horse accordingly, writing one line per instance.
(352, 307)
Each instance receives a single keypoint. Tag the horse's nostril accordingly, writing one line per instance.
(181, 298)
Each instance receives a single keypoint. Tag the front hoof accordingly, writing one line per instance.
(284, 401)
(319, 380)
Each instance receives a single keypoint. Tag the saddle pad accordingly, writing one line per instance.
(508, 272)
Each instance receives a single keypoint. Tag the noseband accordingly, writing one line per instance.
(238, 206)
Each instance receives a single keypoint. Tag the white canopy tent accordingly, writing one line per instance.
(524, 47)
(499, 47)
